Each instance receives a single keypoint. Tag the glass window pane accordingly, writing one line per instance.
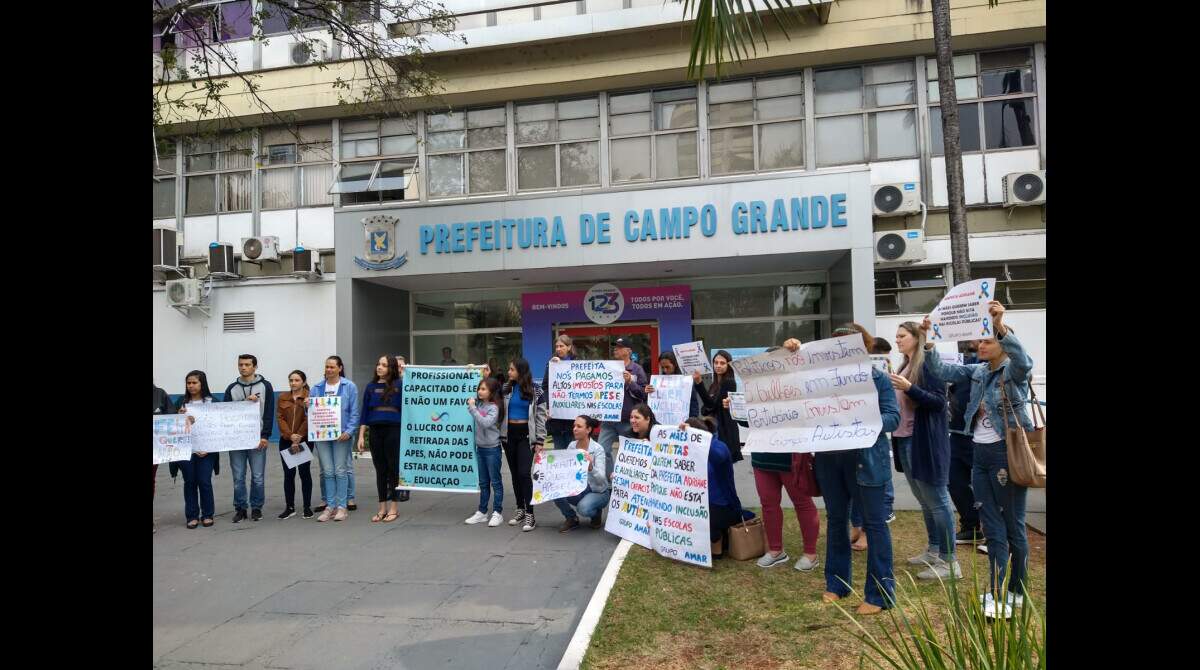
(480, 138)
(981, 270)
(671, 115)
(838, 90)
(1027, 295)
(200, 162)
(314, 182)
(1037, 271)
(886, 95)
(677, 156)
(278, 188)
(400, 144)
(446, 175)
(733, 335)
(775, 86)
(999, 60)
(369, 126)
(580, 163)
(1006, 82)
(921, 301)
(963, 65)
(354, 178)
(935, 93)
(579, 129)
(730, 112)
(164, 199)
(398, 126)
(886, 303)
(885, 279)
(732, 150)
(780, 108)
(497, 349)
(968, 129)
(485, 118)
(1009, 123)
(391, 179)
(487, 171)
(738, 90)
(893, 134)
(633, 102)
(626, 124)
(535, 167)
(780, 145)
(543, 111)
(316, 152)
(578, 109)
(445, 121)
(886, 73)
(364, 149)
(966, 88)
(283, 154)
(201, 195)
(630, 158)
(441, 141)
(840, 140)
(235, 192)
(926, 277)
(535, 131)
(669, 95)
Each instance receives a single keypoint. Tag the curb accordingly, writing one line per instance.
(578, 645)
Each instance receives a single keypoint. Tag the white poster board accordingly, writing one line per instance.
(324, 418)
(595, 388)
(628, 505)
(172, 438)
(672, 398)
(963, 313)
(692, 358)
(226, 426)
(294, 460)
(558, 473)
(821, 398)
(737, 406)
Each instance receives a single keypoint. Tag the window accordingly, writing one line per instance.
(1019, 284)
(757, 301)
(279, 20)
(848, 127)
(217, 174)
(295, 168)
(210, 23)
(756, 124)
(1004, 117)
(393, 145)
(653, 135)
(915, 291)
(164, 180)
(466, 152)
(558, 144)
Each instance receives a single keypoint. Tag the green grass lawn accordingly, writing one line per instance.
(665, 614)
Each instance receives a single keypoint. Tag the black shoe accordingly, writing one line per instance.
(352, 506)
(404, 496)
(308, 513)
(569, 525)
(595, 523)
(288, 513)
(256, 514)
(530, 523)
(968, 537)
(319, 508)
(240, 515)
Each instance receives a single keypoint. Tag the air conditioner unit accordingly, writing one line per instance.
(183, 292)
(220, 259)
(258, 249)
(166, 249)
(896, 199)
(1025, 188)
(304, 53)
(900, 246)
(306, 262)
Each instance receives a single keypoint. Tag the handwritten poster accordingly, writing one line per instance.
(324, 418)
(225, 426)
(672, 398)
(736, 353)
(559, 473)
(821, 398)
(437, 439)
(294, 460)
(595, 388)
(660, 494)
(692, 358)
(172, 438)
(963, 313)
(737, 406)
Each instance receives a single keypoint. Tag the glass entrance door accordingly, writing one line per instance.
(595, 342)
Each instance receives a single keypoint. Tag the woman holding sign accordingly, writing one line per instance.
(199, 470)
(335, 454)
(382, 402)
(591, 501)
(1002, 503)
(559, 429)
(292, 416)
(713, 399)
(522, 407)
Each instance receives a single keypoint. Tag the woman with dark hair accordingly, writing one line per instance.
(199, 469)
(335, 454)
(713, 399)
(292, 416)
(560, 430)
(591, 501)
(381, 407)
(641, 421)
(669, 365)
(522, 407)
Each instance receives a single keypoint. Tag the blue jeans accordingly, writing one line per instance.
(589, 503)
(935, 506)
(1002, 512)
(889, 500)
(610, 440)
(258, 466)
(961, 456)
(349, 475)
(335, 459)
(835, 473)
(197, 486)
(487, 463)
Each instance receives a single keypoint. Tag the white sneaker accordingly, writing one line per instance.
(477, 517)
(769, 561)
(981, 548)
(804, 564)
(496, 520)
(1015, 600)
(993, 610)
(925, 557)
(941, 570)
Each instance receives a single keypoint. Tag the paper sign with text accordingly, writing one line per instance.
(595, 388)
(820, 398)
(628, 506)
(692, 358)
(672, 398)
(172, 438)
(324, 418)
(963, 313)
(294, 460)
(226, 426)
(559, 473)
(437, 438)
(736, 353)
(737, 406)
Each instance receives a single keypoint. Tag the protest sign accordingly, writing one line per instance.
(963, 313)
(172, 438)
(737, 406)
(295, 460)
(692, 358)
(820, 398)
(660, 494)
(559, 473)
(736, 353)
(948, 352)
(671, 401)
(324, 418)
(437, 440)
(595, 388)
(881, 362)
(226, 426)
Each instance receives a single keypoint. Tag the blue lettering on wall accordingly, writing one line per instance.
(508, 224)
(631, 218)
(739, 218)
(708, 220)
(602, 234)
(779, 217)
(670, 223)
(587, 229)
(443, 240)
(691, 216)
(837, 203)
(485, 239)
(560, 236)
(426, 233)
(820, 211)
(539, 232)
(758, 216)
(799, 213)
(524, 233)
(648, 231)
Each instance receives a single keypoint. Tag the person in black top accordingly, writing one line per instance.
(713, 398)
(383, 399)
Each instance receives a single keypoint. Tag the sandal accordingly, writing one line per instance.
(391, 516)
(206, 523)
(193, 524)
(377, 518)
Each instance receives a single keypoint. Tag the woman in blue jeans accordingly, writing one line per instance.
(199, 470)
(487, 410)
(1002, 503)
(335, 454)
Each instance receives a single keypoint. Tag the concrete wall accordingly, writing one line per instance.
(381, 326)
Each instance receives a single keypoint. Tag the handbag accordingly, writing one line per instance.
(1026, 448)
(804, 465)
(747, 540)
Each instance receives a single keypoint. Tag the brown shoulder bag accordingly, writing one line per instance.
(1026, 448)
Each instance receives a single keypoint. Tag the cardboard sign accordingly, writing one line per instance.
(671, 401)
(692, 358)
(963, 313)
(559, 473)
(595, 388)
(324, 418)
(226, 426)
(172, 438)
(437, 439)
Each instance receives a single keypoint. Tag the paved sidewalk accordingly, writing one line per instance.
(425, 591)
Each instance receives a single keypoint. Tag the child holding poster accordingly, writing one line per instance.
(592, 501)
(488, 413)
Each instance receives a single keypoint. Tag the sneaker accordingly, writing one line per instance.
(596, 523)
(319, 508)
(891, 518)
(941, 570)
(981, 548)
(925, 557)
(968, 537)
(239, 516)
(496, 520)
(530, 522)
(569, 525)
(477, 517)
(256, 514)
(769, 561)
(325, 515)
(341, 515)
(804, 564)
(308, 513)
(517, 518)
(1015, 600)
(287, 513)
(993, 610)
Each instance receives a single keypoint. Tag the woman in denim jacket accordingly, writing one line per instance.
(1001, 502)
